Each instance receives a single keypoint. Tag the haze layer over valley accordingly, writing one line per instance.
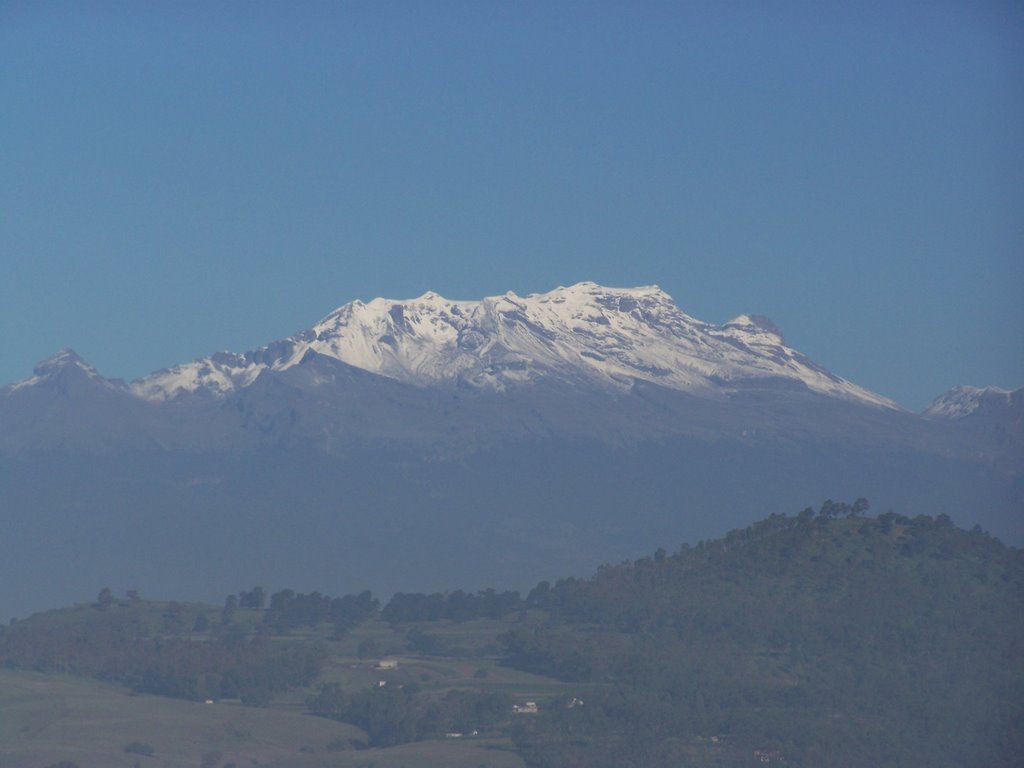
(471, 443)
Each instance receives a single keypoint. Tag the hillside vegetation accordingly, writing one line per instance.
(817, 640)
(829, 638)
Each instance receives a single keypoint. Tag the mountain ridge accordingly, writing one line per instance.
(583, 335)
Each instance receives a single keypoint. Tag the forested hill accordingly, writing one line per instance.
(826, 639)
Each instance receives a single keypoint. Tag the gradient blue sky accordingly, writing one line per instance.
(178, 178)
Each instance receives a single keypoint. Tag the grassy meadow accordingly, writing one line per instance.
(48, 718)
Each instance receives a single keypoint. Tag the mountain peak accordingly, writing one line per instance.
(964, 400)
(60, 360)
(583, 334)
(590, 288)
(65, 369)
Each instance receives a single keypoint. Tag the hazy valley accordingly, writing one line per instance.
(480, 444)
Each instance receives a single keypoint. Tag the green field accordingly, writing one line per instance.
(47, 718)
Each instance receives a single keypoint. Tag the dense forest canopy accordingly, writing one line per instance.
(829, 638)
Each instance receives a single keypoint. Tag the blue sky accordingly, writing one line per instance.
(178, 178)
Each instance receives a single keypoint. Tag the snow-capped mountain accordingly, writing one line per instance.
(65, 367)
(586, 333)
(964, 400)
(482, 442)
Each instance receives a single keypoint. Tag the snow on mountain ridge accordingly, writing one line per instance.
(63, 362)
(964, 400)
(584, 333)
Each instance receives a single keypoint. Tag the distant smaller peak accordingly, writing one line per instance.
(65, 355)
(964, 400)
(65, 368)
(62, 359)
(968, 391)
